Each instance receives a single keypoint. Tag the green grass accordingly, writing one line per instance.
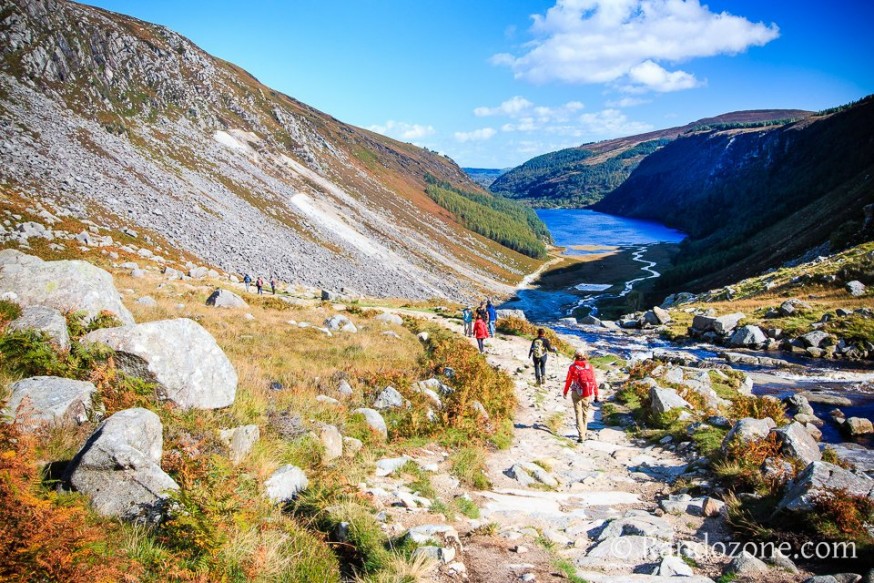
(568, 570)
(468, 464)
(467, 507)
(421, 483)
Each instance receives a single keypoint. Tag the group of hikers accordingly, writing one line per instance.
(480, 323)
(580, 380)
(259, 283)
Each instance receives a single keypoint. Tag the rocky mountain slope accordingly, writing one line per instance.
(583, 175)
(753, 198)
(131, 123)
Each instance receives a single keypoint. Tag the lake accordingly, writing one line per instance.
(583, 227)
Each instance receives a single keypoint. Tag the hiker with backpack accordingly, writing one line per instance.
(493, 317)
(259, 283)
(540, 349)
(480, 332)
(467, 318)
(273, 284)
(247, 279)
(583, 386)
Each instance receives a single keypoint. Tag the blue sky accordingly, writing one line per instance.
(493, 83)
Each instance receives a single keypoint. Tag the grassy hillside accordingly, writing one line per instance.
(753, 197)
(577, 177)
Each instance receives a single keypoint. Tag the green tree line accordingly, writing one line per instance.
(501, 220)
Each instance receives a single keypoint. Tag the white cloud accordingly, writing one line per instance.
(510, 107)
(475, 135)
(403, 131)
(627, 42)
(627, 102)
(609, 123)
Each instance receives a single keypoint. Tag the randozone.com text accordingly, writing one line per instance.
(623, 547)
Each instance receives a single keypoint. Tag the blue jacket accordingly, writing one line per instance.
(493, 313)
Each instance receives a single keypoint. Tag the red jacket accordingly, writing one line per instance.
(480, 330)
(583, 371)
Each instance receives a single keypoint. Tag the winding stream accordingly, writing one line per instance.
(585, 232)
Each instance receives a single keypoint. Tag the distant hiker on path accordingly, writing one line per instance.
(273, 285)
(481, 312)
(467, 318)
(259, 283)
(247, 279)
(493, 317)
(480, 332)
(540, 349)
(583, 385)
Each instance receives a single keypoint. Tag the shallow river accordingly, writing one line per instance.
(584, 231)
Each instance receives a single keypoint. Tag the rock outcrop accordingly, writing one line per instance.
(51, 400)
(185, 361)
(119, 467)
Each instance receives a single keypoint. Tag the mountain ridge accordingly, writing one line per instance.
(584, 174)
(105, 111)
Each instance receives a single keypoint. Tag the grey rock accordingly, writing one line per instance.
(387, 318)
(814, 339)
(63, 285)
(629, 549)
(389, 398)
(435, 554)
(796, 442)
(388, 466)
(119, 467)
(285, 484)
(855, 288)
(179, 355)
(749, 429)
(344, 389)
(479, 409)
(374, 420)
(332, 441)
(781, 561)
(673, 566)
(664, 400)
(657, 316)
(222, 298)
(819, 477)
(147, 301)
(439, 533)
(722, 325)
(746, 565)
(590, 321)
(44, 319)
(240, 440)
(351, 446)
(51, 400)
(798, 403)
(341, 323)
(198, 272)
(858, 426)
(638, 523)
(748, 336)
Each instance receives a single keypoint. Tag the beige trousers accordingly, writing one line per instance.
(581, 411)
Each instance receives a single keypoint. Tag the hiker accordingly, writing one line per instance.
(493, 317)
(540, 349)
(482, 312)
(259, 283)
(481, 332)
(467, 318)
(583, 385)
(273, 285)
(247, 279)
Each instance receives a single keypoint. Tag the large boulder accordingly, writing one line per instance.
(44, 319)
(387, 318)
(814, 339)
(820, 478)
(119, 467)
(222, 298)
(748, 429)
(855, 288)
(190, 369)
(857, 426)
(285, 484)
(657, 316)
(63, 285)
(722, 325)
(795, 441)
(51, 400)
(664, 400)
(748, 336)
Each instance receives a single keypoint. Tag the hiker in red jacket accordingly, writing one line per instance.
(583, 385)
(480, 331)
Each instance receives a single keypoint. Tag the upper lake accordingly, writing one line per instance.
(583, 227)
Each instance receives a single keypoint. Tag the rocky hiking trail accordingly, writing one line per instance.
(559, 509)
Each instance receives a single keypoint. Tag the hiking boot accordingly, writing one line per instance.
(581, 439)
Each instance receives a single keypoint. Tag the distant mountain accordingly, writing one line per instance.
(484, 176)
(577, 177)
(129, 121)
(751, 198)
